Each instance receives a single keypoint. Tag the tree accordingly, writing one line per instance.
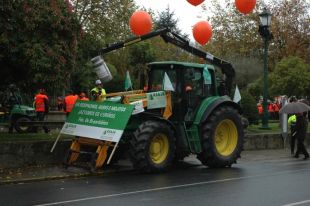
(248, 105)
(36, 42)
(139, 55)
(256, 88)
(291, 77)
(291, 29)
(235, 36)
(105, 19)
(166, 19)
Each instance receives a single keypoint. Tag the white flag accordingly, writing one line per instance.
(237, 96)
(167, 86)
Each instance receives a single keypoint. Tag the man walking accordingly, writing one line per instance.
(301, 132)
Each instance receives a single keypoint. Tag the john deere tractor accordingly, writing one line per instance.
(186, 111)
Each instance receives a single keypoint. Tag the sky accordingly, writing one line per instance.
(187, 14)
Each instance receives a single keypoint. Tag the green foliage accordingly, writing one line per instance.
(247, 69)
(166, 19)
(256, 88)
(139, 55)
(105, 19)
(291, 77)
(248, 105)
(37, 43)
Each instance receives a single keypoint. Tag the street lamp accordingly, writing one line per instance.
(265, 22)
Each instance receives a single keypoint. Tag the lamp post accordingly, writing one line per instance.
(265, 22)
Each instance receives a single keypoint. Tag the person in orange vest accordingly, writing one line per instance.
(41, 107)
(83, 97)
(69, 102)
(270, 110)
(276, 109)
(260, 109)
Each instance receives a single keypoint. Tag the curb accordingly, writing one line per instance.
(99, 173)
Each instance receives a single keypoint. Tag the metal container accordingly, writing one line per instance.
(101, 69)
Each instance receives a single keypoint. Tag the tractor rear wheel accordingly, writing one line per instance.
(222, 138)
(152, 147)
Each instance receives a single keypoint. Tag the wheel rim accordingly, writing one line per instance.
(24, 128)
(226, 137)
(159, 148)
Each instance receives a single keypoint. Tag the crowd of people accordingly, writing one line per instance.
(41, 101)
(298, 125)
(273, 109)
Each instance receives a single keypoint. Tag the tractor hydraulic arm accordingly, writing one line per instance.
(175, 39)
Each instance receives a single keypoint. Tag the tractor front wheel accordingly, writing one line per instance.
(222, 138)
(22, 129)
(152, 147)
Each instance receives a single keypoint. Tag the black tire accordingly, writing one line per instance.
(22, 129)
(222, 138)
(150, 136)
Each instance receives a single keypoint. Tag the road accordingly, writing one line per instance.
(258, 179)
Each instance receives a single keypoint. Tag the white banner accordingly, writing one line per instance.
(156, 100)
(107, 134)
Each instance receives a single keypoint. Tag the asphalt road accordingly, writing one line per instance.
(255, 180)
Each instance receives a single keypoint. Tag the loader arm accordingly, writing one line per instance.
(175, 39)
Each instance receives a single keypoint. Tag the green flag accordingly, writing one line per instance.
(128, 83)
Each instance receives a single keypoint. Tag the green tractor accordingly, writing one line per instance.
(184, 110)
(12, 111)
(202, 120)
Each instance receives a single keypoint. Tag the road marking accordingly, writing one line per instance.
(297, 203)
(171, 187)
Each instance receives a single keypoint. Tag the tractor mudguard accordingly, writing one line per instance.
(150, 116)
(209, 104)
(138, 119)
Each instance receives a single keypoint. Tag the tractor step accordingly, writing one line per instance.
(193, 138)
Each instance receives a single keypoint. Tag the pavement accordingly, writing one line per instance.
(42, 173)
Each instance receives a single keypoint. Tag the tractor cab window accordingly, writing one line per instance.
(193, 81)
(157, 81)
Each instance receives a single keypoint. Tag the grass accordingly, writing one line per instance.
(274, 126)
(4, 137)
(256, 129)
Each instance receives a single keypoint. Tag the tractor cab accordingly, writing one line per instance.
(190, 83)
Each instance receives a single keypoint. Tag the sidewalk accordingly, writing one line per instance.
(24, 175)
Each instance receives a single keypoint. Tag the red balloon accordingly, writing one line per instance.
(140, 23)
(202, 32)
(245, 6)
(195, 2)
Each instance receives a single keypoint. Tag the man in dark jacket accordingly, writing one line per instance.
(301, 132)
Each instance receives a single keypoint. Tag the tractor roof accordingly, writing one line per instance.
(184, 64)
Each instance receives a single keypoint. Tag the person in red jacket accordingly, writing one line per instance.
(69, 102)
(41, 107)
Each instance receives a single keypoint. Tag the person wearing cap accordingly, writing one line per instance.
(98, 93)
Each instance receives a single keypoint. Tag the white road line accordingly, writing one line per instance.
(171, 187)
(298, 203)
